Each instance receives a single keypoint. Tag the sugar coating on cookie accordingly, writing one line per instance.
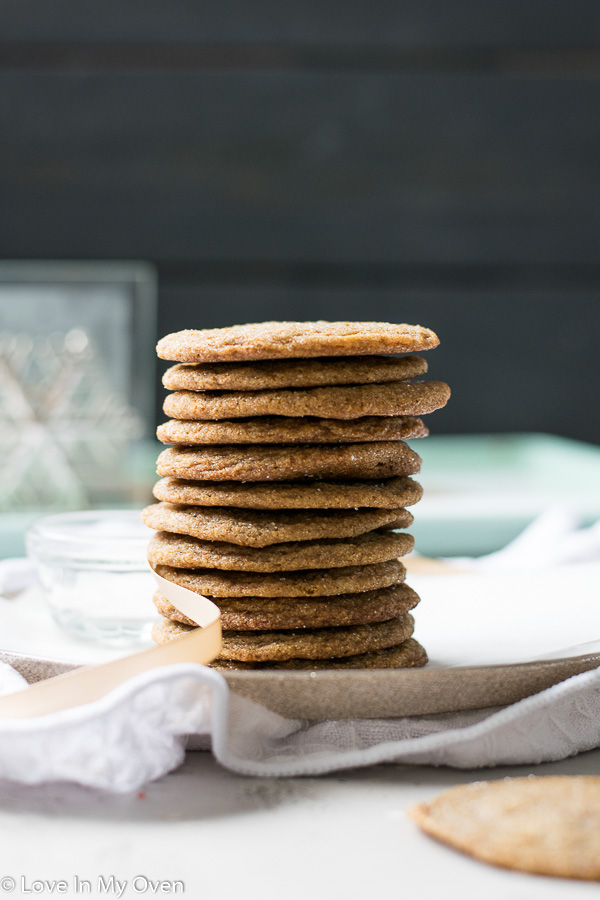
(286, 373)
(262, 613)
(390, 493)
(407, 654)
(310, 643)
(315, 643)
(281, 340)
(184, 552)
(258, 528)
(301, 583)
(398, 398)
(289, 462)
(288, 430)
(546, 825)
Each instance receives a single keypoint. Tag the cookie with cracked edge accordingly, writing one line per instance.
(260, 528)
(547, 825)
(390, 493)
(184, 552)
(269, 613)
(308, 643)
(287, 373)
(398, 398)
(257, 462)
(286, 430)
(293, 340)
(300, 583)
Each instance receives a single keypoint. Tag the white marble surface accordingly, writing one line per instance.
(340, 836)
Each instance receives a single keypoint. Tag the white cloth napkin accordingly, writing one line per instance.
(137, 733)
(140, 730)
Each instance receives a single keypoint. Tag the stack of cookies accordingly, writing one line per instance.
(284, 495)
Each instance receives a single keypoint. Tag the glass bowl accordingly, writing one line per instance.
(94, 574)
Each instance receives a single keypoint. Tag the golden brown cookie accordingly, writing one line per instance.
(263, 613)
(301, 583)
(292, 340)
(398, 398)
(391, 493)
(285, 430)
(308, 643)
(255, 462)
(260, 528)
(547, 825)
(407, 655)
(183, 552)
(315, 643)
(286, 373)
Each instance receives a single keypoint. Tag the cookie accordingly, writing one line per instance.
(286, 373)
(287, 430)
(407, 655)
(391, 493)
(248, 462)
(546, 825)
(259, 528)
(315, 643)
(293, 340)
(263, 613)
(398, 398)
(184, 552)
(309, 643)
(302, 583)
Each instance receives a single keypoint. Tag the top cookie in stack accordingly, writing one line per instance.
(282, 496)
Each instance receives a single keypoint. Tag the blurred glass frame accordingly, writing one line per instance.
(88, 319)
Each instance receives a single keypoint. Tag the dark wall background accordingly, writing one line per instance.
(429, 161)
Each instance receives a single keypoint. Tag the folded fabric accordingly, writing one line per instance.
(138, 733)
